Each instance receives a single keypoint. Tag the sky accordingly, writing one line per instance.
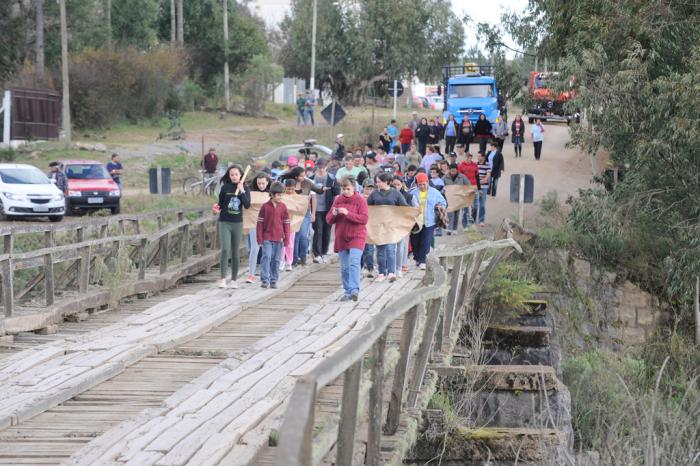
(273, 11)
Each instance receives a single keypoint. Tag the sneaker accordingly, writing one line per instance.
(233, 284)
(345, 298)
(282, 266)
(380, 277)
(317, 259)
(323, 259)
(421, 266)
(392, 277)
(289, 267)
(302, 261)
(404, 269)
(370, 273)
(273, 285)
(250, 279)
(222, 283)
(399, 274)
(482, 224)
(354, 296)
(265, 285)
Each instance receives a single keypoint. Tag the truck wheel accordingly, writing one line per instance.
(116, 210)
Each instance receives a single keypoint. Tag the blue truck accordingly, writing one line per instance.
(470, 90)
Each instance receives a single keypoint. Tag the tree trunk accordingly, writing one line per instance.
(173, 25)
(227, 95)
(180, 24)
(64, 73)
(591, 151)
(40, 40)
(108, 18)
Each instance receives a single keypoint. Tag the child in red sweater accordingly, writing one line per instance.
(349, 213)
(272, 234)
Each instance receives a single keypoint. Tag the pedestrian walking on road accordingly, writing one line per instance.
(309, 108)
(322, 230)
(261, 183)
(497, 165)
(451, 133)
(422, 133)
(301, 110)
(466, 134)
(454, 177)
(517, 130)
(428, 198)
(537, 135)
(233, 198)
(349, 214)
(302, 186)
(273, 233)
(470, 169)
(500, 131)
(406, 138)
(484, 182)
(482, 132)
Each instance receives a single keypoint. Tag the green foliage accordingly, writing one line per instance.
(377, 41)
(257, 82)
(8, 155)
(134, 22)
(508, 287)
(108, 85)
(194, 95)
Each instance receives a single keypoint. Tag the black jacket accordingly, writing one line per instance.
(339, 153)
(498, 165)
(482, 128)
(232, 211)
(331, 193)
(422, 133)
(522, 132)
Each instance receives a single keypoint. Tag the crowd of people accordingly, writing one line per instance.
(405, 167)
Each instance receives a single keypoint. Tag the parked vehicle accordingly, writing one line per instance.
(421, 101)
(25, 191)
(436, 102)
(470, 90)
(282, 153)
(90, 187)
(545, 104)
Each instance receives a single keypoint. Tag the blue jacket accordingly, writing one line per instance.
(434, 198)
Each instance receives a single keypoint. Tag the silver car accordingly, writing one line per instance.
(281, 154)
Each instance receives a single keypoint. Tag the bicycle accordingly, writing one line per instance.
(203, 185)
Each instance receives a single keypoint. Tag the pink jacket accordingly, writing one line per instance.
(350, 229)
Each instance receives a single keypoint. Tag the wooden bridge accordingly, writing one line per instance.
(201, 375)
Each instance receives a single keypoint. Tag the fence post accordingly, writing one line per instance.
(424, 349)
(84, 273)
(393, 415)
(374, 434)
(137, 225)
(163, 259)
(8, 243)
(48, 268)
(202, 240)
(7, 293)
(295, 447)
(79, 235)
(143, 258)
(348, 414)
(185, 243)
(451, 298)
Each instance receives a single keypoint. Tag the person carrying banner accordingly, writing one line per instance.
(385, 194)
(349, 215)
(402, 246)
(454, 177)
(428, 198)
(261, 183)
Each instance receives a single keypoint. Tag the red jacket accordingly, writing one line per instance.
(406, 136)
(350, 229)
(273, 223)
(469, 170)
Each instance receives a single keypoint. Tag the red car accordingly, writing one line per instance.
(90, 187)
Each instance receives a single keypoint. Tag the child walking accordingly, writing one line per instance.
(272, 234)
(288, 251)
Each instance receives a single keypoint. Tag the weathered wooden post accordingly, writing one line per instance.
(48, 267)
(393, 415)
(451, 298)
(143, 258)
(7, 293)
(84, 272)
(163, 259)
(348, 414)
(295, 447)
(424, 349)
(374, 434)
(202, 239)
(185, 243)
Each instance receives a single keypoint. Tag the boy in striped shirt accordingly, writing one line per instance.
(484, 181)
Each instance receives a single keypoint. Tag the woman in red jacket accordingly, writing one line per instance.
(406, 138)
(349, 214)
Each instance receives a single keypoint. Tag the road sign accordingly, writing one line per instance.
(327, 113)
(390, 88)
(529, 193)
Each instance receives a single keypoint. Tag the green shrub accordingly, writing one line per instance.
(508, 287)
(8, 155)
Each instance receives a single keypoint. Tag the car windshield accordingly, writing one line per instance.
(87, 172)
(23, 176)
(459, 91)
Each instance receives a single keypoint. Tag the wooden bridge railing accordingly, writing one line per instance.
(439, 301)
(147, 248)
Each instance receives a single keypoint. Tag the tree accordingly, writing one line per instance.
(380, 40)
(40, 62)
(135, 22)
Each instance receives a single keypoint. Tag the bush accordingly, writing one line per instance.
(111, 85)
(257, 84)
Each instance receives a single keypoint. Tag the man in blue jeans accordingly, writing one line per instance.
(428, 198)
(385, 194)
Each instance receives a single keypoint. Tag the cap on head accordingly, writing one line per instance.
(292, 161)
(421, 178)
(368, 183)
(453, 154)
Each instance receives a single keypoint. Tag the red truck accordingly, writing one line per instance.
(545, 105)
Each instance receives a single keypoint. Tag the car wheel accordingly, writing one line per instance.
(56, 218)
(116, 210)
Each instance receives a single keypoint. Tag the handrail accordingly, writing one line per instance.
(296, 433)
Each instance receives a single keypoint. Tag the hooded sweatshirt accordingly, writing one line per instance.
(387, 197)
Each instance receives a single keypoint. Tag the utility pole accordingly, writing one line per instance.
(312, 78)
(173, 25)
(227, 95)
(64, 72)
(109, 23)
(40, 39)
(180, 24)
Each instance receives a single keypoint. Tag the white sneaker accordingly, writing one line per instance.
(233, 284)
(281, 265)
(392, 278)
(289, 267)
(421, 266)
(317, 260)
(399, 274)
(380, 277)
(222, 283)
(323, 259)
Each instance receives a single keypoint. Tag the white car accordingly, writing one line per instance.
(25, 191)
(436, 102)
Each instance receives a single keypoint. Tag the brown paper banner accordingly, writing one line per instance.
(459, 196)
(390, 224)
(250, 215)
(297, 205)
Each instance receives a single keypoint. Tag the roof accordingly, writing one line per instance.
(471, 79)
(80, 161)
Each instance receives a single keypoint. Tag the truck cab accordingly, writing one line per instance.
(470, 90)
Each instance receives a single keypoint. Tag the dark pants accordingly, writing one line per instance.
(367, 260)
(493, 185)
(538, 149)
(322, 235)
(421, 242)
(405, 148)
(500, 141)
(421, 147)
(450, 144)
(482, 145)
